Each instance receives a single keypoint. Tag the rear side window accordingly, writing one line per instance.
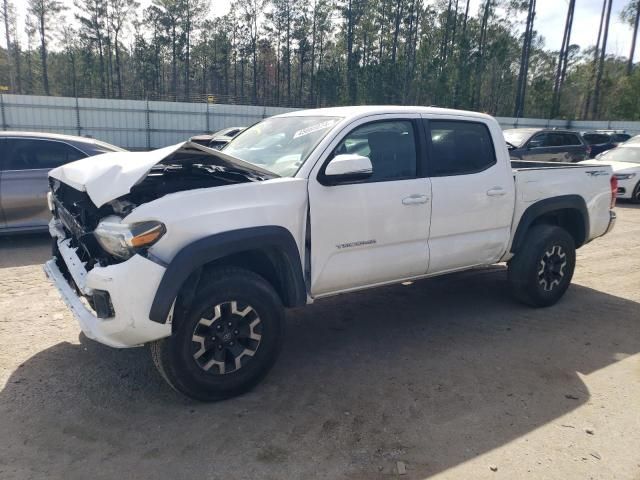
(571, 139)
(596, 138)
(620, 137)
(28, 154)
(459, 148)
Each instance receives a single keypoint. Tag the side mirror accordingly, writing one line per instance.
(347, 168)
(534, 144)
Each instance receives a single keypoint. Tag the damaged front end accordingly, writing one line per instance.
(91, 200)
(93, 222)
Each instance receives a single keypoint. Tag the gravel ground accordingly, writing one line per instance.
(444, 378)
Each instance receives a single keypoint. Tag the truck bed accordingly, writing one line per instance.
(526, 165)
(536, 181)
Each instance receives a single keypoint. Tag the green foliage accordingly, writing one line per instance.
(317, 53)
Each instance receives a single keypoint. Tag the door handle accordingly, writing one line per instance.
(496, 192)
(415, 199)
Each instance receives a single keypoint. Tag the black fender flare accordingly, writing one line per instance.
(220, 245)
(548, 205)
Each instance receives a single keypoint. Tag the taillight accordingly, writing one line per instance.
(614, 190)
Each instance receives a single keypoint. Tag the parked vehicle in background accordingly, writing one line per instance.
(601, 141)
(197, 252)
(633, 141)
(219, 139)
(546, 145)
(25, 161)
(625, 162)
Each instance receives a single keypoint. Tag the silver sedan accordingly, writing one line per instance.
(25, 161)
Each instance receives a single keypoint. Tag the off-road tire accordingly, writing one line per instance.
(228, 294)
(541, 270)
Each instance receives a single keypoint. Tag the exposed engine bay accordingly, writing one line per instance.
(186, 169)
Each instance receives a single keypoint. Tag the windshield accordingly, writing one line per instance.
(281, 144)
(630, 155)
(516, 137)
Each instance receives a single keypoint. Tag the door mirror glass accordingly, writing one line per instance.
(349, 168)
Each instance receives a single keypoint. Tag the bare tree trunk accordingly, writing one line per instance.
(524, 62)
(118, 68)
(475, 98)
(603, 51)
(462, 60)
(43, 54)
(596, 53)
(313, 53)
(633, 40)
(7, 21)
(351, 80)
(562, 61)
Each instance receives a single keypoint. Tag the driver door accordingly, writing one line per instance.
(374, 231)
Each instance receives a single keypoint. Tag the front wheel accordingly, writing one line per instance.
(541, 271)
(228, 340)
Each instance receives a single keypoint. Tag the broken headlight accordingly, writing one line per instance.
(123, 240)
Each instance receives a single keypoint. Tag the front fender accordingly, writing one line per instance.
(220, 245)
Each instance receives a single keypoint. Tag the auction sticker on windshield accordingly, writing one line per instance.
(315, 128)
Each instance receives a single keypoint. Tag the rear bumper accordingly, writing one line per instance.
(612, 221)
(131, 287)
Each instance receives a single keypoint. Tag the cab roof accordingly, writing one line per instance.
(354, 112)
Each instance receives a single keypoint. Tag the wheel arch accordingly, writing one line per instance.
(270, 251)
(566, 211)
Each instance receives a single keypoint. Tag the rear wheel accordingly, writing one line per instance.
(228, 340)
(541, 271)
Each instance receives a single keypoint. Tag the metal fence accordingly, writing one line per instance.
(142, 125)
(132, 124)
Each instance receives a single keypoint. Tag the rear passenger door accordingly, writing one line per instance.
(472, 195)
(24, 182)
(575, 149)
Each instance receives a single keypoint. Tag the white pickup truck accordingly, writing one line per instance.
(197, 252)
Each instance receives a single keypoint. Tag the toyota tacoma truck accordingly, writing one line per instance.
(198, 252)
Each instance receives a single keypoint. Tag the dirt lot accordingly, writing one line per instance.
(448, 376)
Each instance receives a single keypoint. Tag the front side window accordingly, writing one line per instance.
(540, 140)
(29, 154)
(459, 148)
(389, 144)
(281, 144)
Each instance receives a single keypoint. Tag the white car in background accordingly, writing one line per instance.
(625, 161)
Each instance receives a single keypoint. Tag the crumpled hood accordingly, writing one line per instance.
(111, 175)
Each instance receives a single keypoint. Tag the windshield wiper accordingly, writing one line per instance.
(510, 145)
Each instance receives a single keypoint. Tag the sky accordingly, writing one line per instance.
(549, 22)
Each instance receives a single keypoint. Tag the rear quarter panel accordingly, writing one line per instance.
(592, 183)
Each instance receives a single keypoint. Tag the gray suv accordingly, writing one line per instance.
(546, 145)
(25, 161)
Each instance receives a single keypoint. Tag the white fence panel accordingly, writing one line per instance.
(140, 125)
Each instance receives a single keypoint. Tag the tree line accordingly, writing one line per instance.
(312, 53)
